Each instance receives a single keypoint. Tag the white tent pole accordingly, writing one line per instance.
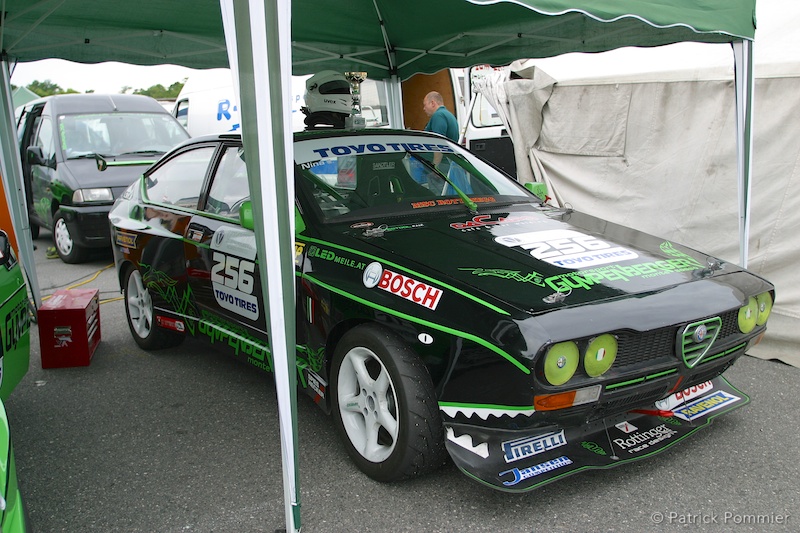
(262, 29)
(743, 72)
(395, 105)
(11, 169)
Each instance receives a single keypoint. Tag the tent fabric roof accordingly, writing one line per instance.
(355, 35)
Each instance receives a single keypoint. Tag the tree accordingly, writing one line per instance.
(159, 91)
(47, 88)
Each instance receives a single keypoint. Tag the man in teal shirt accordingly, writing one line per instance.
(441, 120)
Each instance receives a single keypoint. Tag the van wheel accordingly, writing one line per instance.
(67, 249)
(385, 407)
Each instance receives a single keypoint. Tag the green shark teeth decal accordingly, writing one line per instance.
(466, 442)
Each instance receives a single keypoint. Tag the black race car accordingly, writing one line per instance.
(442, 306)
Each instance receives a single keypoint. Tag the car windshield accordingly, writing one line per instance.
(113, 134)
(382, 175)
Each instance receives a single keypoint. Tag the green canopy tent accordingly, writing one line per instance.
(387, 39)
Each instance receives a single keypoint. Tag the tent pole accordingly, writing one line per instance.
(743, 73)
(11, 170)
(263, 55)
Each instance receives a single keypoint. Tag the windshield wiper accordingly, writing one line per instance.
(90, 155)
(143, 152)
(472, 206)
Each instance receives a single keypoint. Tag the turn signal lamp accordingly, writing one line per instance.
(562, 400)
(764, 302)
(561, 362)
(600, 355)
(748, 315)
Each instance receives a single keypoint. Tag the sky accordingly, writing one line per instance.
(108, 77)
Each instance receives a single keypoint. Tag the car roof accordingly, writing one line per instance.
(315, 134)
(304, 135)
(100, 103)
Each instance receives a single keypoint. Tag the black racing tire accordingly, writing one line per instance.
(384, 406)
(68, 250)
(141, 316)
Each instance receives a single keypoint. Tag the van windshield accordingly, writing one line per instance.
(114, 134)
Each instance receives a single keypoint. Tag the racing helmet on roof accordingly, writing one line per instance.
(328, 99)
(328, 91)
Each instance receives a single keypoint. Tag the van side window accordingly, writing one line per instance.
(180, 180)
(229, 189)
(44, 137)
(181, 113)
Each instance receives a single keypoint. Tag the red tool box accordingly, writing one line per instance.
(69, 328)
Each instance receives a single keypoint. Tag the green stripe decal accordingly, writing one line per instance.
(432, 325)
(458, 405)
(400, 267)
(723, 354)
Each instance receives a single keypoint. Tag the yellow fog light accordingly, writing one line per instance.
(748, 316)
(561, 362)
(764, 302)
(600, 355)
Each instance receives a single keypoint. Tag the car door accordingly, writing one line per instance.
(221, 263)
(172, 191)
(42, 170)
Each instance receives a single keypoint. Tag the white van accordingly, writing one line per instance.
(207, 103)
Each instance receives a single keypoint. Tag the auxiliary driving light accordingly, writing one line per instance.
(748, 316)
(600, 355)
(764, 302)
(561, 362)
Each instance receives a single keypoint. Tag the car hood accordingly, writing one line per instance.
(119, 173)
(538, 258)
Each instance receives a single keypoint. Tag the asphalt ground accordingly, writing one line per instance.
(187, 440)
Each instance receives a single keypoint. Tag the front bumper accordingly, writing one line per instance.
(521, 460)
(88, 226)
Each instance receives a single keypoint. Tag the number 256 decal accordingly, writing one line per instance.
(233, 282)
(567, 248)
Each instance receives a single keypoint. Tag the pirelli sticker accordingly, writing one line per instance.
(126, 240)
(403, 286)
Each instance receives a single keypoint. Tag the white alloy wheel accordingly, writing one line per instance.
(368, 404)
(139, 306)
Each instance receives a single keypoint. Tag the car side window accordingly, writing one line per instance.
(179, 181)
(229, 189)
(44, 137)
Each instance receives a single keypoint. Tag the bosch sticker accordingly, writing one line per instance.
(407, 288)
(567, 248)
(670, 402)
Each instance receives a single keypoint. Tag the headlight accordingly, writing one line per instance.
(92, 195)
(560, 362)
(764, 302)
(600, 355)
(748, 314)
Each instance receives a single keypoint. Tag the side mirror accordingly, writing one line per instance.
(246, 215)
(539, 189)
(36, 157)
